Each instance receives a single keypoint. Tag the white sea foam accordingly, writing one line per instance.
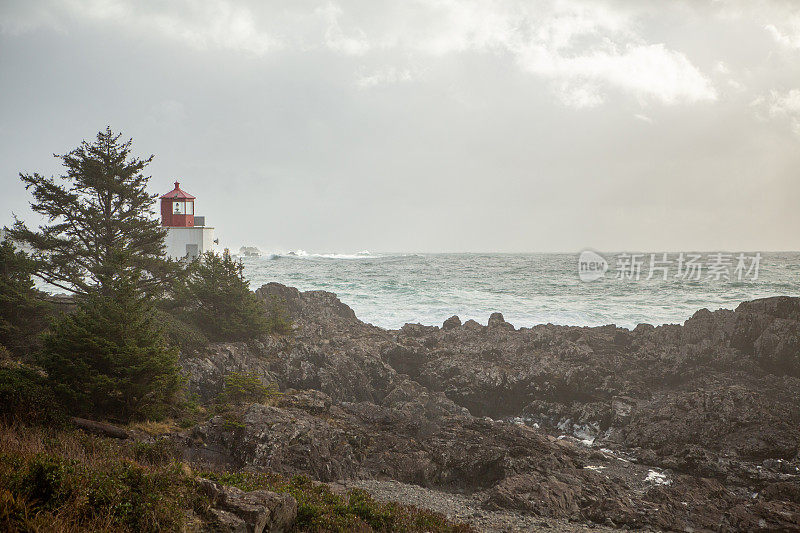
(390, 289)
(302, 254)
(657, 478)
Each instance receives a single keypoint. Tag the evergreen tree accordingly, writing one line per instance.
(22, 311)
(109, 358)
(218, 299)
(103, 243)
(100, 220)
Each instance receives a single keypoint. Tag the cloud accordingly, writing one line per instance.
(384, 76)
(579, 96)
(167, 112)
(787, 32)
(275, 95)
(336, 39)
(202, 24)
(779, 18)
(646, 71)
(18, 19)
(583, 49)
(784, 105)
(214, 24)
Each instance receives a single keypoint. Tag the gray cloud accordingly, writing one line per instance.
(429, 124)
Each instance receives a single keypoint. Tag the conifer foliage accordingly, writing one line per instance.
(22, 311)
(100, 220)
(102, 242)
(218, 299)
(109, 358)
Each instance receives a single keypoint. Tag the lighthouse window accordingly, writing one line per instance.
(190, 208)
(179, 208)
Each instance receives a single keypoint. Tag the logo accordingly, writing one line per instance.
(591, 266)
(687, 266)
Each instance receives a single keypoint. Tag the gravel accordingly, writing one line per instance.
(465, 508)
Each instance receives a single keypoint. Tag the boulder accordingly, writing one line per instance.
(258, 511)
(451, 323)
(496, 319)
(472, 325)
(226, 522)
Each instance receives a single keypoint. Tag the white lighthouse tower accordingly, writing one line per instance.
(187, 234)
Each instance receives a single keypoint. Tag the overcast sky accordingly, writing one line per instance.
(427, 125)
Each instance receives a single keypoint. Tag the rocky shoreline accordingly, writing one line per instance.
(679, 427)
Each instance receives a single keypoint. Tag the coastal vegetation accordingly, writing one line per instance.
(109, 358)
(67, 480)
(23, 311)
(113, 353)
(321, 509)
(109, 351)
(100, 222)
(214, 288)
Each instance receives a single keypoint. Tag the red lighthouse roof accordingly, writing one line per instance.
(178, 193)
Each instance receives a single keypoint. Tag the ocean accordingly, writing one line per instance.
(389, 290)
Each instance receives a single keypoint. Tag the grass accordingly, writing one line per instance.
(156, 428)
(321, 509)
(64, 480)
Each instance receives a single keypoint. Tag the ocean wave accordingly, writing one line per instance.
(364, 254)
(389, 289)
(302, 254)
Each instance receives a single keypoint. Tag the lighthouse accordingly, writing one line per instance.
(187, 234)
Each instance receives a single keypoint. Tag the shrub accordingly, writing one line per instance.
(70, 481)
(244, 387)
(181, 334)
(130, 496)
(67, 480)
(189, 410)
(162, 451)
(44, 481)
(218, 300)
(25, 394)
(108, 359)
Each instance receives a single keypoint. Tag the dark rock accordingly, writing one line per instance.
(623, 338)
(472, 325)
(622, 408)
(254, 512)
(418, 330)
(782, 491)
(227, 522)
(451, 323)
(496, 319)
(206, 370)
(319, 306)
(717, 400)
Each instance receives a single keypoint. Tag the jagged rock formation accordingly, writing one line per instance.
(692, 426)
(258, 511)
